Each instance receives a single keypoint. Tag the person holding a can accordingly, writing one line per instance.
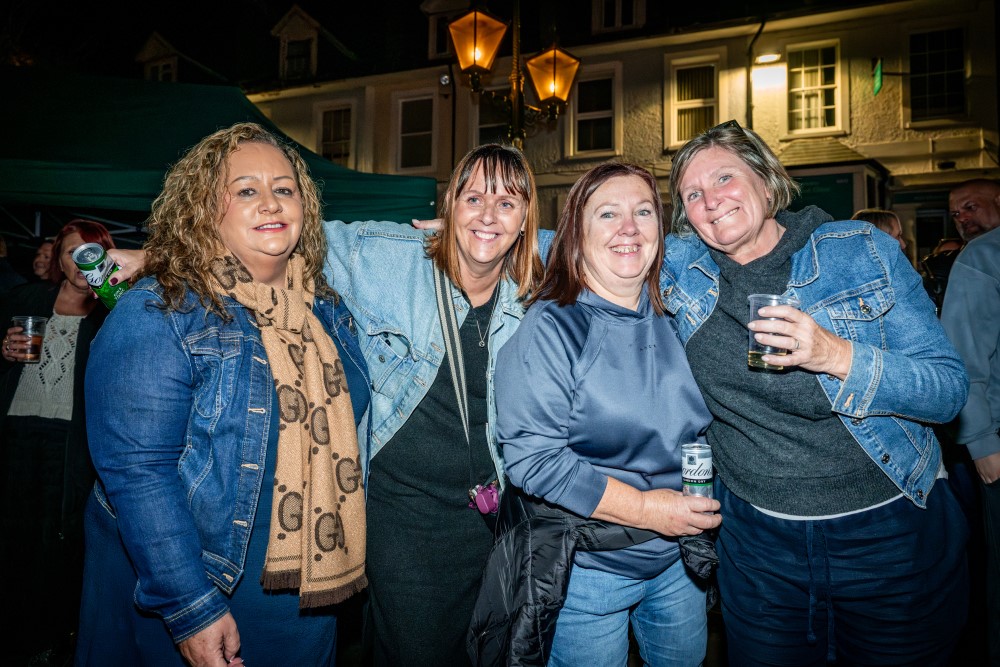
(594, 401)
(46, 468)
(226, 392)
(839, 542)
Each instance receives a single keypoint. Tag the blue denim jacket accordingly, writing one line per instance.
(856, 283)
(387, 280)
(178, 412)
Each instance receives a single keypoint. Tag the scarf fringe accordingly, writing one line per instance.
(333, 596)
(274, 581)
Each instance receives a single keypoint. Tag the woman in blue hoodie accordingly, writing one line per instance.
(594, 399)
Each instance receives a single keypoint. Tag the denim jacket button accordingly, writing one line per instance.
(381, 359)
(920, 494)
(886, 458)
(856, 421)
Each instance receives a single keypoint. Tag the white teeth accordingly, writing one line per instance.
(724, 216)
(625, 249)
(486, 236)
(271, 225)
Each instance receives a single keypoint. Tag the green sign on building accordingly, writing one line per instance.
(876, 76)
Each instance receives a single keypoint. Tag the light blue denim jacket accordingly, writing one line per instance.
(178, 412)
(387, 280)
(855, 282)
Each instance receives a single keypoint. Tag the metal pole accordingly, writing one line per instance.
(515, 127)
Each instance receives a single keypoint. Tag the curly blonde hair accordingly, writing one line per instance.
(184, 224)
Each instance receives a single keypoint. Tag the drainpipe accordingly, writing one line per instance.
(749, 110)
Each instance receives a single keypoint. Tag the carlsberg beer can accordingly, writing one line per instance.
(696, 470)
(97, 267)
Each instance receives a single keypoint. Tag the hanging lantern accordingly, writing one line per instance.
(552, 74)
(476, 37)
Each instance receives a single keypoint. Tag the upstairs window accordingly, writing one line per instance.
(695, 100)
(617, 15)
(813, 90)
(595, 115)
(162, 70)
(416, 133)
(335, 144)
(492, 122)
(298, 60)
(439, 39)
(937, 74)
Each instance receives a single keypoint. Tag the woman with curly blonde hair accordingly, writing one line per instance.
(228, 515)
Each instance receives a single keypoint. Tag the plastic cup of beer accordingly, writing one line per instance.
(34, 328)
(758, 350)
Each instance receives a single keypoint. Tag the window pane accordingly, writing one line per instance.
(627, 16)
(696, 83)
(937, 74)
(595, 134)
(609, 13)
(594, 95)
(415, 151)
(336, 144)
(812, 88)
(692, 122)
(418, 116)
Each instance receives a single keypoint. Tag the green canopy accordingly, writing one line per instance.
(87, 142)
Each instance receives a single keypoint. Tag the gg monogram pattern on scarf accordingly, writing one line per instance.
(317, 534)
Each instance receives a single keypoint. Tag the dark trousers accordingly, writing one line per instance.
(991, 529)
(42, 546)
(888, 586)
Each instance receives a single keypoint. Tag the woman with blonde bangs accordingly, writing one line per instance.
(433, 312)
(243, 388)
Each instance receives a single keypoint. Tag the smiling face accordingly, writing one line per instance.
(43, 258)
(74, 276)
(486, 225)
(621, 238)
(262, 205)
(726, 203)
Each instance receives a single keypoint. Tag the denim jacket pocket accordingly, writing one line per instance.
(390, 362)
(214, 356)
(856, 315)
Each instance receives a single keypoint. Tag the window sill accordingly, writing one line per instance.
(813, 134)
(936, 123)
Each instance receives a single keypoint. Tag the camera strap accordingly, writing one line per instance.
(452, 344)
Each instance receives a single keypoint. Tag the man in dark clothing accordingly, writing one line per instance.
(9, 278)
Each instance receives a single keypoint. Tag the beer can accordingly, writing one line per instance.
(97, 267)
(696, 469)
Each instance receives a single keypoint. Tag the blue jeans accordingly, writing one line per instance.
(888, 586)
(667, 612)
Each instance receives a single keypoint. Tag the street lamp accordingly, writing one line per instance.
(477, 37)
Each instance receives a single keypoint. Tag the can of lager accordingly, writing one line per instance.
(97, 267)
(696, 470)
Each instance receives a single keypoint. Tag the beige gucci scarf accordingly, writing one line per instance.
(317, 534)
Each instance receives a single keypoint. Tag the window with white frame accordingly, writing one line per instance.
(937, 74)
(594, 125)
(492, 122)
(336, 136)
(694, 98)
(616, 15)
(813, 87)
(415, 149)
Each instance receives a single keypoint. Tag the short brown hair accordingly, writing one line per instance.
(745, 144)
(506, 166)
(564, 274)
(882, 219)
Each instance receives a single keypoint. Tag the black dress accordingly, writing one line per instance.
(426, 547)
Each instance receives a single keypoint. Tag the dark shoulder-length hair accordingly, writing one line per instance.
(564, 274)
(89, 231)
(745, 144)
(502, 166)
